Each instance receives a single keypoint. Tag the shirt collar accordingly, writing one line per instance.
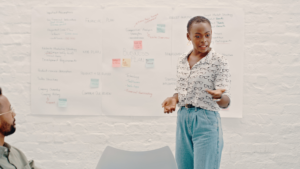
(4, 150)
(206, 59)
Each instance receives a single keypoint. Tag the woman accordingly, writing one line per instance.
(203, 83)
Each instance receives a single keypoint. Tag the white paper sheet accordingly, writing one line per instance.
(143, 36)
(66, 61)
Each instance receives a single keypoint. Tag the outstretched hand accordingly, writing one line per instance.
(169, 104)
(216, 94)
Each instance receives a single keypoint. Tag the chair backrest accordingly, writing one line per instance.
(113, 158)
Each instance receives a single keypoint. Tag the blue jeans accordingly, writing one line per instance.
(199, 139)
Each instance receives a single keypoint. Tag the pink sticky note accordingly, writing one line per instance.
(116, 63)
(137, 45)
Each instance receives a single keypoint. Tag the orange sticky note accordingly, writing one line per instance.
(126, 63)
(116, 63)
(137, 45)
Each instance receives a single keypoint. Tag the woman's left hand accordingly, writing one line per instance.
(216, 94)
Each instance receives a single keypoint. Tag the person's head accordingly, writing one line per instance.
(199, 32)
(7, 116)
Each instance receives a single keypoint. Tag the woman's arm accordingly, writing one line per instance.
(175, 95)
(169, 104)
(224, 102)
(222, 84)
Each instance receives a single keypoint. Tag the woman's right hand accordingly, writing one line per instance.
(169, 104)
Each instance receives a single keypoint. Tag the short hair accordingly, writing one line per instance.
(197, 19)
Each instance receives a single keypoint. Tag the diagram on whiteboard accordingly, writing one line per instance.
(66, 61)
(137, 60)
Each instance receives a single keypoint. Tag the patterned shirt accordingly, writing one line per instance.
(211, 72)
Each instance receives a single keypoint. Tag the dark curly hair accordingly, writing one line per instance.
(0, 91)
(197, 19)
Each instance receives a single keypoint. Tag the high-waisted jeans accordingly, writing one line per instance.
(199, 139)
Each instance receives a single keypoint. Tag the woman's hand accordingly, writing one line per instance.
(216, 94)
(169, 104)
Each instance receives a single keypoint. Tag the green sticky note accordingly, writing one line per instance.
(62, 102)
(149, 63)
(94, 83)
(161, 28)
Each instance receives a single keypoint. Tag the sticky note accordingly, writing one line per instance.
(137, 45)
(161, 28)
(94, 83)
(126, 63)
(149, 63)
(62, 102)
(116, 63)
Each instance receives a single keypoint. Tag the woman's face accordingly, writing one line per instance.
(200, 35)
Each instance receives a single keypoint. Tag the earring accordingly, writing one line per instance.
(189, 42)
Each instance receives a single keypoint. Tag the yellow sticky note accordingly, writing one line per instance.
(126, 62)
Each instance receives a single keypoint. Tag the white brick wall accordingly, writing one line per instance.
(267, 137)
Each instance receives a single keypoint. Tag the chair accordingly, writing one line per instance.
(113, 158)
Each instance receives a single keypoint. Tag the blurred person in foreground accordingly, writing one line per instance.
(10, 157)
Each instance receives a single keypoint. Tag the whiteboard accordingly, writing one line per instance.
(66, 61)
(122, 61)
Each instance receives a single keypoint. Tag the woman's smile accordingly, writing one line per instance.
(203, 47)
